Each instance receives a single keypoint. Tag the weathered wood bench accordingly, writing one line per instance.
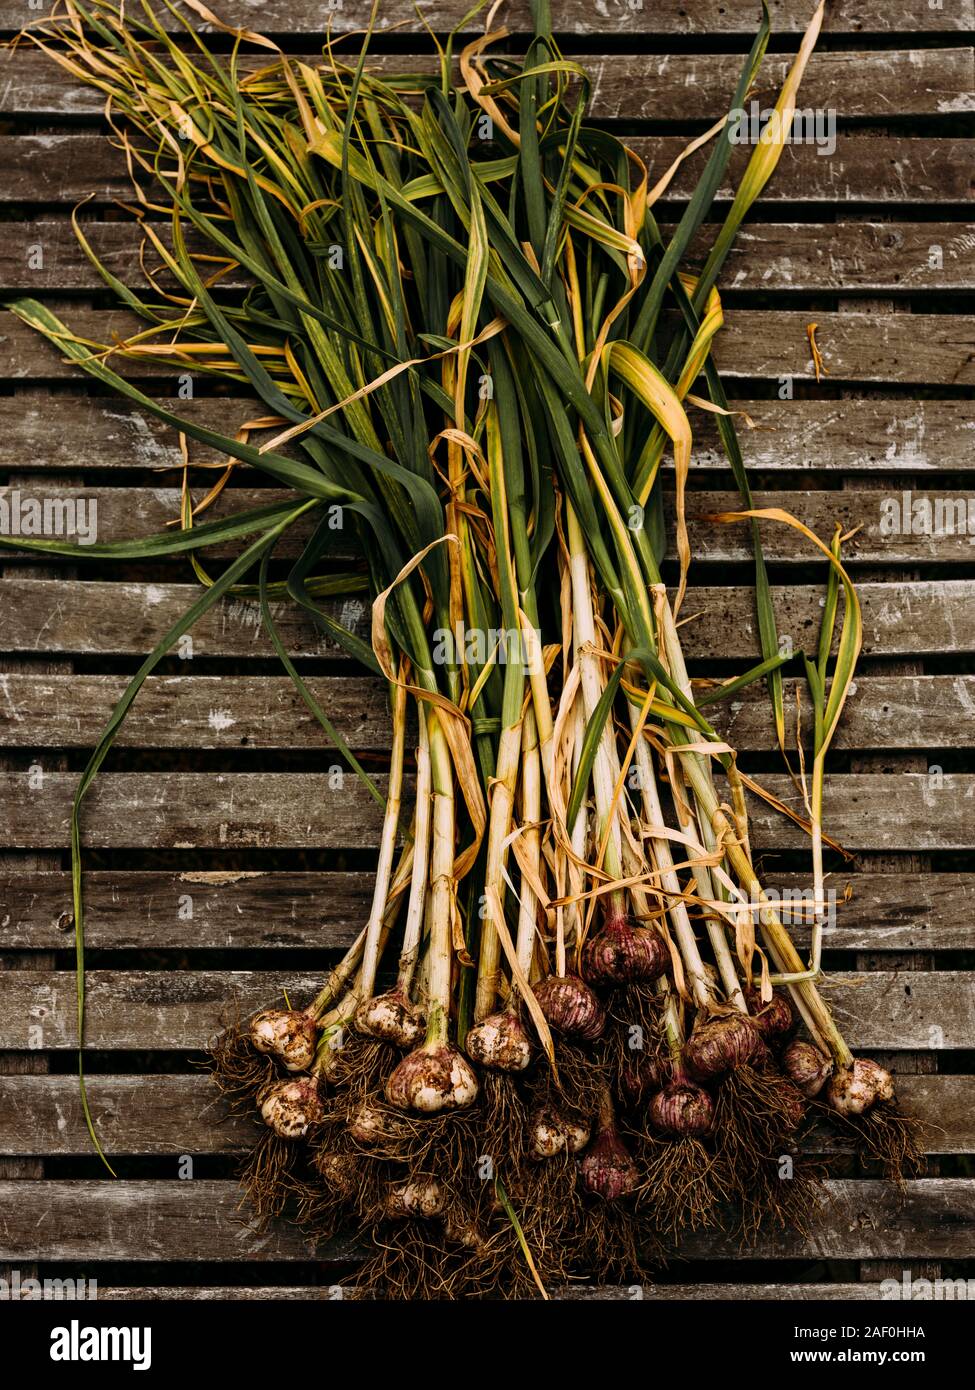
(210, 882)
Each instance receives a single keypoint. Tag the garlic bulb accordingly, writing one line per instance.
(432, 1078)
(607, 1170)
(807, 1067)
(423, 1199)
(855, 1089)
(720, 1045)
(621, 954)
(682, 1110)
(288, 1034)
(290, 1108)
(371, 1126)
(775, 1020)
(390, 1018)
(338, 1171)
(641, 1076)
(571, 1008)
(499, 1042)
(554, 1133)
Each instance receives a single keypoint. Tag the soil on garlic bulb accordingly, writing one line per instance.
(288, 1036)
(432, 1080)
(237, 1069)
(469, 1248)
(500, 1042)
(391, 1018)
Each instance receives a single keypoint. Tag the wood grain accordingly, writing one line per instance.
(670, 18)
(255, 712)
(201, 910)
(202, 1220)
(208, 910)
(332, 810)
(182, 1114)
(62, 168)
(231, 712)
(937, 349)
(180, 1010)
(628, 87)
(861, 437)
(775, 256)
(887, 529)
(93, 617)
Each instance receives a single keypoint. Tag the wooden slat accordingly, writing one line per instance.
(166, 1114)
(207, 910)
(896, 912)
(201, 910)
(610, 17)
(863, 436)
(113, 514)
(880, 712)
(860, 256)
(231, 712)
(94, 1221)
(64, 168)
(935, 349)
(655, 1293)
(133, 618)
(246, 810)
(645, 87)
(782, 256)
(235, 712)
(201, 1220)
(929, 349)
(161, 1009)
(196, 810)
(91, 617)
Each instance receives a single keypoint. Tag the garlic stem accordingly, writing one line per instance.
(605, 768)
(441, 901)
(664, 860)
(571, 924)
(808, 1000)
(338, 977)
(413, 927)
(531, 810)
(811, 1005)
(499, 826)
(387, 845)
(706, 887)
